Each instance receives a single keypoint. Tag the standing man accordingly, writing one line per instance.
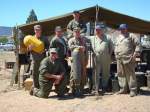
(51, 72)
(79, 54)
(60, 44)
(102, 47)
(76, 22)
(37, 57)
(126, 49)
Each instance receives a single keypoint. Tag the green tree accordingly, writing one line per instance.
(32, 17)
(3, 39)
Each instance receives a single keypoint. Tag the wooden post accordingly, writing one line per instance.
(16, 70)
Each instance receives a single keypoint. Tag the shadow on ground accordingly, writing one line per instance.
(144, 92)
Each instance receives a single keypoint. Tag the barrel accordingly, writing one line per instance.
(32, 40)
(76, 63)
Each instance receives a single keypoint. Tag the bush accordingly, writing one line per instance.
(3, 39)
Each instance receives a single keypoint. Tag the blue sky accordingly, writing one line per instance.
(14, 12)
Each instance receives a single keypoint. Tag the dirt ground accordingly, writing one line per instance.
(14, 100)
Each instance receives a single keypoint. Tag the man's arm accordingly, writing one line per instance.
(69, 28)
(136, 43)
(72, 45)
(57, 78)
(70, 32)
(111, 45)
(52, 76)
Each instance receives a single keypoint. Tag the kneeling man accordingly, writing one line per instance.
(51, 73)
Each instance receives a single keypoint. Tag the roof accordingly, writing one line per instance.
(111, 18)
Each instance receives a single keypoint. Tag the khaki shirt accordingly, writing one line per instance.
(47, 66)
(126, 46)
(76, 43)
(102, 47)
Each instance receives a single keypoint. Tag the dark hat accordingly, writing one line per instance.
(76, 29)
(123, 26)
(37, 27)
(76, 11)
(58, 28)
(53, 50)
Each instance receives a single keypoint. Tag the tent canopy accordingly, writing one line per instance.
(111, 18)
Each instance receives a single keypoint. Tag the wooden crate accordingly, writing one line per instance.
(9, 65)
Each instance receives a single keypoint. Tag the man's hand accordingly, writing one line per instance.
(58, 79)
(82, 48)
(136, 54)
(30, 47)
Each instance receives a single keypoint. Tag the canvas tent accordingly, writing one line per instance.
(111, 18)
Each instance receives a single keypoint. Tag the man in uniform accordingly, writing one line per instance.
(76, 22)
(79, 54)
(37, 57)
(59, 42)
(126, 49)
(102, 47)
(51, 72)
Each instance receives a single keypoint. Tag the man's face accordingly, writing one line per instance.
(76, 16)
(38, 32)
(58, 33)
(53, 56)
(98, 31)
(124, 31)
(76, 33)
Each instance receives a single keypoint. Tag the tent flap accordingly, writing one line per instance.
(111, 18)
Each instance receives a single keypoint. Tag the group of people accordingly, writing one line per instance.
(54, 70)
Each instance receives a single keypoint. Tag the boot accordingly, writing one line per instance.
(122, 91)
(133, 93)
